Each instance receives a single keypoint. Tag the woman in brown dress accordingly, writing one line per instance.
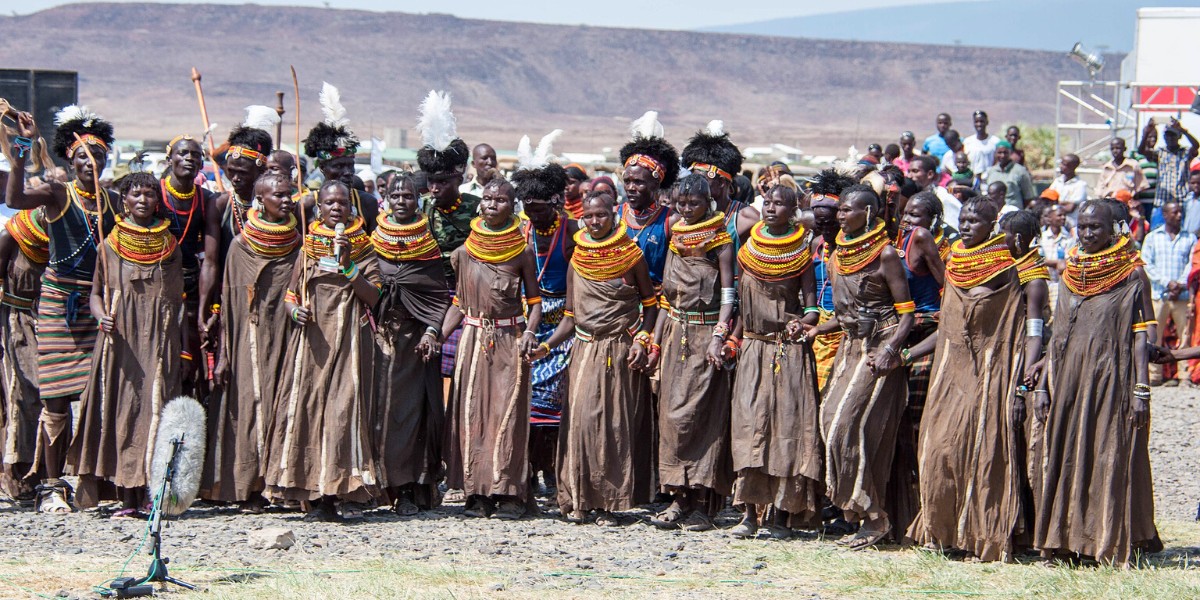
(867, 393)
(137, 297)
(24, 252)
(971, 448)
(487, 436)
(253, 344)
(694, 461)
(409, 410)
(776, 427)
(1096, 498)
(321, 450)
(606, 439)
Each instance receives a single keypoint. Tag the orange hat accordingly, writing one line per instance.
(1123, 196)
(1050, 195)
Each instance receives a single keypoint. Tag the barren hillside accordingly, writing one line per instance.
(509, 79)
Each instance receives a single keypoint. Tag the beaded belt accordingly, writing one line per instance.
(485, 323)
(15, 301)
(773, 338)
(694, 317)
(587, 336)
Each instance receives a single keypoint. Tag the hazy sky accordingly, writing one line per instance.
(618, 13)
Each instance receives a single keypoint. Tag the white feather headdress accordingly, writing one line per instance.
(261, 117)
(715, 128)
(647, 126)
(331, 106)
(436, 124)
(76, 112)
(531, 158)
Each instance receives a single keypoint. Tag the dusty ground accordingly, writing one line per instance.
(442, 554)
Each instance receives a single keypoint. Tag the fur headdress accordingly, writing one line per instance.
(91, 127)
(442, 150)
(711, 150)
(827, 186)
(648, 149)
(537, 175)
(331, 138)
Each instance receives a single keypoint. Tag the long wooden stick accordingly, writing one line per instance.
(212, 146)
(300, 183)
(100, 197)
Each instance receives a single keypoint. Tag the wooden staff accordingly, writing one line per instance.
(212, 147)
(279, 126)
(300, 185)
(100, 197)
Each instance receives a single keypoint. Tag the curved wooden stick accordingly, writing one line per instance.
(212, 146)
(100, 195)
(300, 182)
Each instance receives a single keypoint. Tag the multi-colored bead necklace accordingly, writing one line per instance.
(268, 239)
(705, 236)
(854, 254)
(970, 267)
(450, 209)
(82, 192)
(1032, 266)
(26, 229)
(607, 259)
(495, 247)
(548, 232)
(776, 258)
(574, 208)
(1091, 274)
(398, 243)
(142, 245)
(319, 241)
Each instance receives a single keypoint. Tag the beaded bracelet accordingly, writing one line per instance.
(215, 309)
(904, 308)
(721, 330)
(295, 311)
(185, 355)
(22, 145)
(808, 310)
(544, 346)
(433, 333)
(655, 349)
(351, 272)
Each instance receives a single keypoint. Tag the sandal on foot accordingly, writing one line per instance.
(779, 532)
(478, 507)
(697, 521)
(669, 518)
(349, 511)
(867, 538)
(454, 496)
(405, 507)
(575, 516)
(318, 512)
(127, 513)
(509, 509)
(748, 528)
(54, 497)
(607, 519)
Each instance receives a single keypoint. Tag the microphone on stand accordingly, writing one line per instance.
(337, 250)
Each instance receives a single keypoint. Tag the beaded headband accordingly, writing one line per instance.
(88, 139)
(175, 140)
(648, 163)
(824, 200)
(244, 152)
(710, 171)
(338, 152)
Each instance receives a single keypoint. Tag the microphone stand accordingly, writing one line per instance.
(130, 587)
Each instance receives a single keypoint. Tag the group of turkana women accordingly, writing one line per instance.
(836, 356)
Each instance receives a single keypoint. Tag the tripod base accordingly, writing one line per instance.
(132, 587)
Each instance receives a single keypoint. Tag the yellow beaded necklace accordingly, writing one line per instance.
(142, 245)
(607, 259)
(853, 255)
(774, 259)
(1092, 274)
(495, 247)
(971, 267)
(396, 243)
(1032, 266)
(707, 235)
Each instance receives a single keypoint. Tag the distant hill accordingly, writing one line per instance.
(510, 79)
(1033, 24)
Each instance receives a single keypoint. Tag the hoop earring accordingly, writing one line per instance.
(1116, 228)
(712, 206)
(870, 217)
(995, 228)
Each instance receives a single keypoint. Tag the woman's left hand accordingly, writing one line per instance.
(1141, 412)
(883, 361)
(637, 357)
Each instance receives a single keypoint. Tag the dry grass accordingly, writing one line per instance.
(789, 570)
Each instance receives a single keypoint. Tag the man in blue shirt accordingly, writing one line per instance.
(935, 145)
(1167, 251)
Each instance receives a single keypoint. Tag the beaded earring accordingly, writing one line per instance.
(712, 206)
(870, 216)
(996, 228)
(1116, 228)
